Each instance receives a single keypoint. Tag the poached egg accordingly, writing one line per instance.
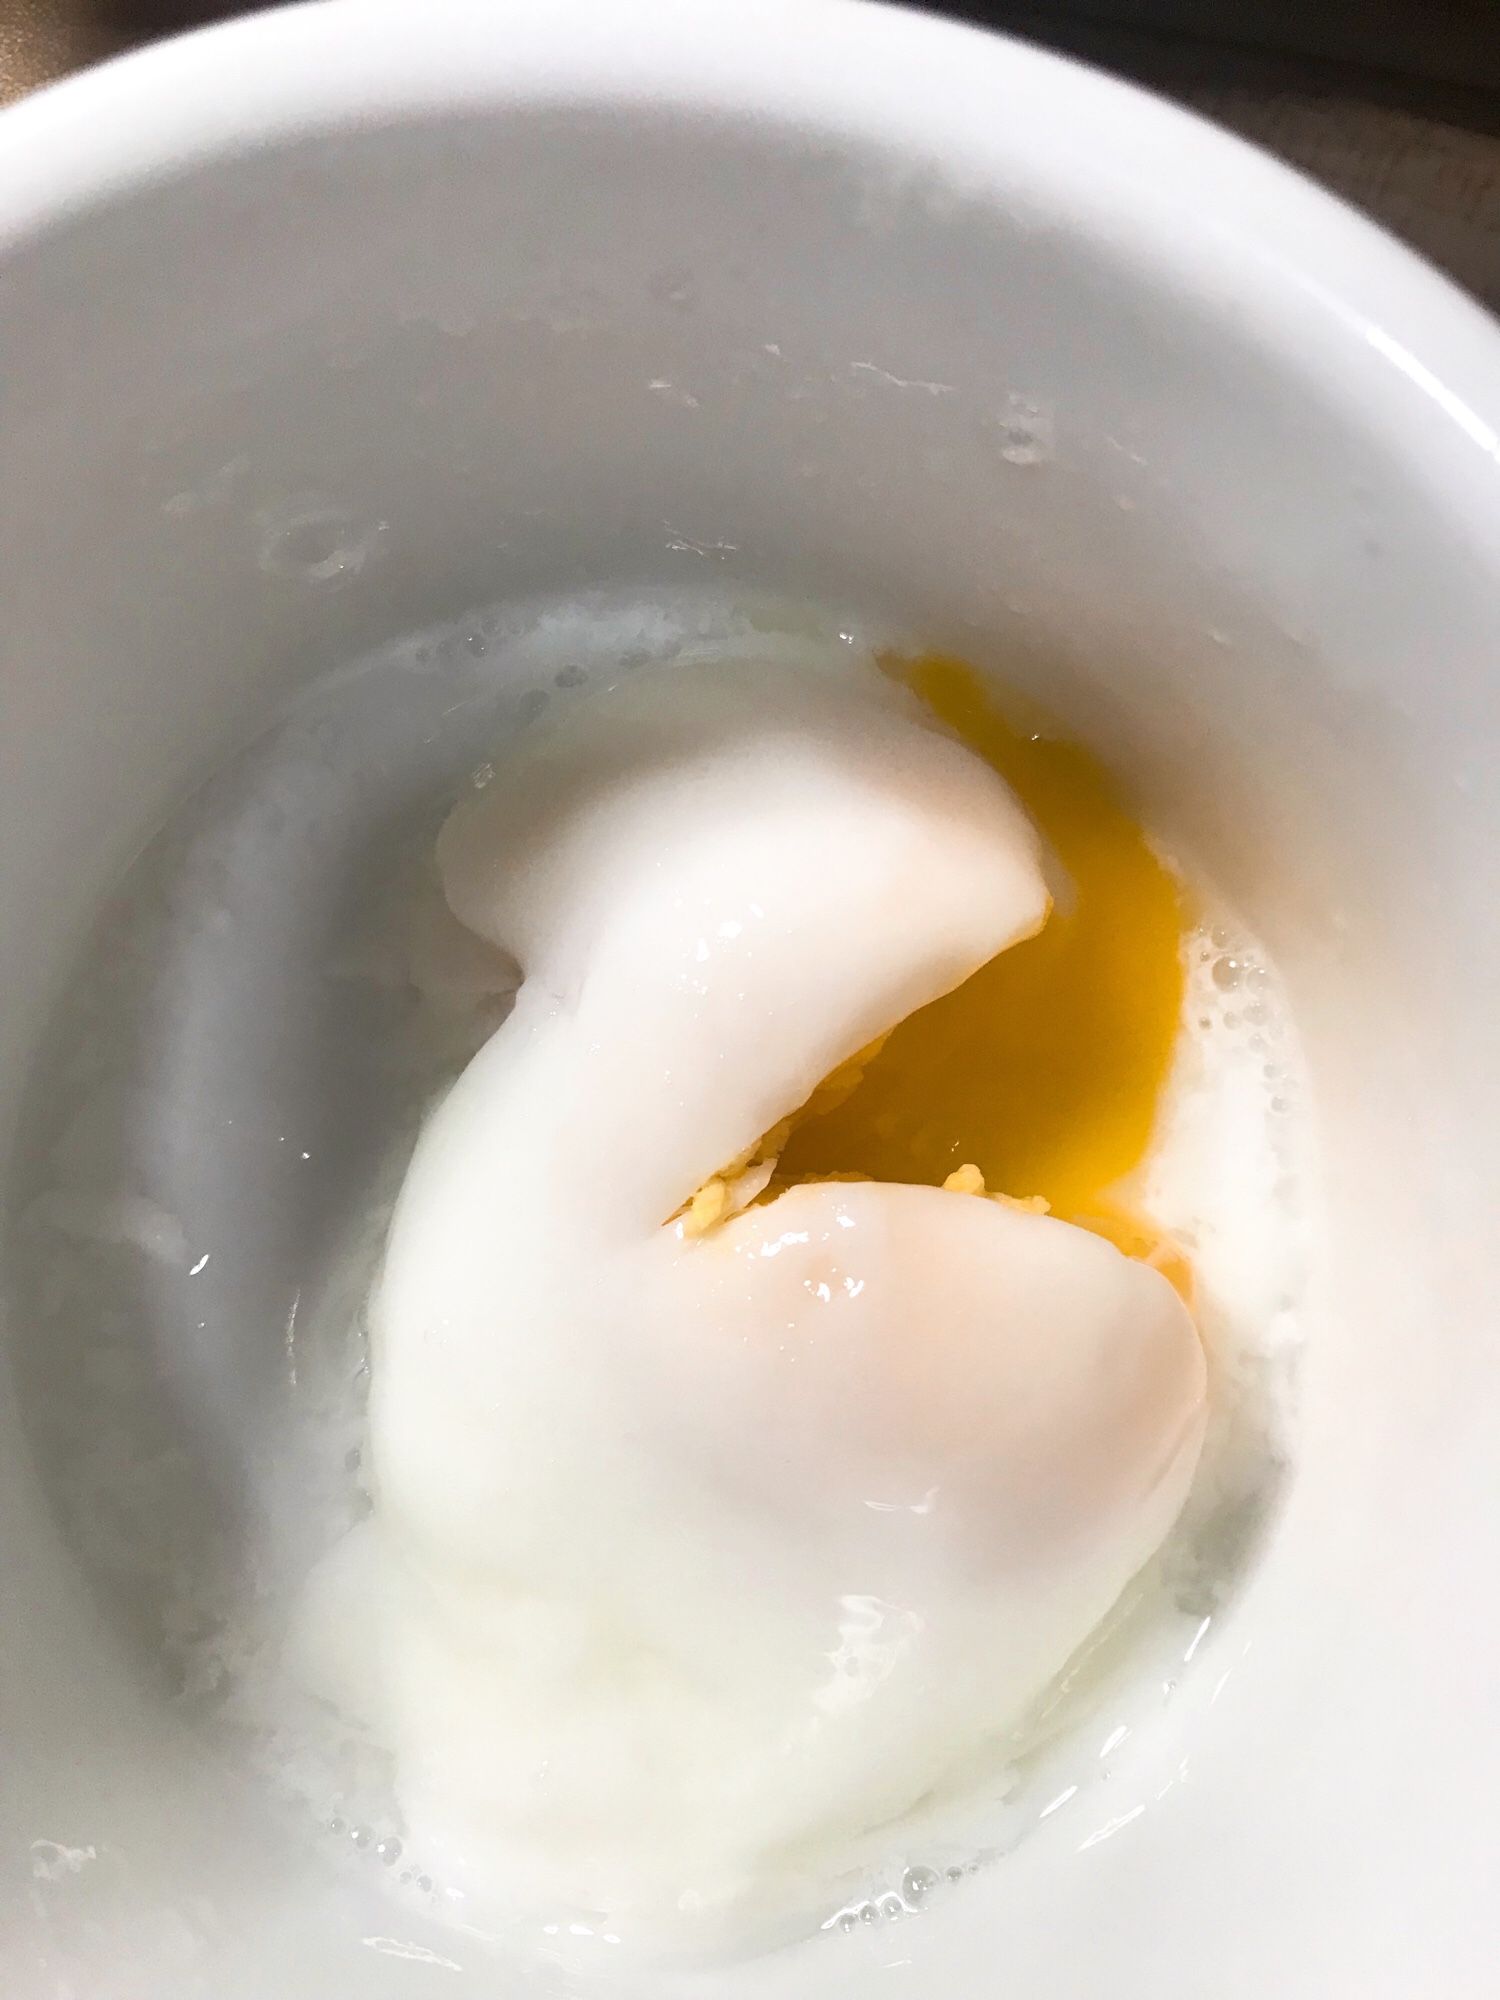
(732, 1506)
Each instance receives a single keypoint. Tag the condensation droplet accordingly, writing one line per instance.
(1023, 430)
(673, 287)
(317, 545)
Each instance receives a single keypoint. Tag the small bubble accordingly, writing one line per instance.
(407, 1878)
(424, 1883)
(1280, 1106)
(351, 1458)
(570, 677)
(1231, 1019)
(868, 1913)
(847, 1920)
(362, 1837)
(918, 1883)
(389, 1850)
(955, 1874)
(892, 1907)
(336, 1826)
(1226, 973)
(476, 643)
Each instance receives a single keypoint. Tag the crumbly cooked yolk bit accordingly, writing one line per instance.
(752, 1172)
(708, 1206)
(1045, 1070)
(967, 1179)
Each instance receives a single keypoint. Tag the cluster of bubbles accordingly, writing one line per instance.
(387, 1849)
(1234, 1001)
(1239, 1001)
(917, 1886)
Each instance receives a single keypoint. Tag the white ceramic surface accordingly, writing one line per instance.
(319, 326)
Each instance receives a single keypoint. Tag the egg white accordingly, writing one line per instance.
(700, 1560)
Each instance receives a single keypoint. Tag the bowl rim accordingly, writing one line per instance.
(1201, 212)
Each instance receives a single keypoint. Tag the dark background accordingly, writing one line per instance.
(1393, 103)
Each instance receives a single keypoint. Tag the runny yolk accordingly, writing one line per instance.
(1044, 1070)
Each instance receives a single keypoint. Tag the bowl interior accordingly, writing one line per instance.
(984, 349)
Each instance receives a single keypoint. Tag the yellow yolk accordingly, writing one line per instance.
(1043, 1072)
